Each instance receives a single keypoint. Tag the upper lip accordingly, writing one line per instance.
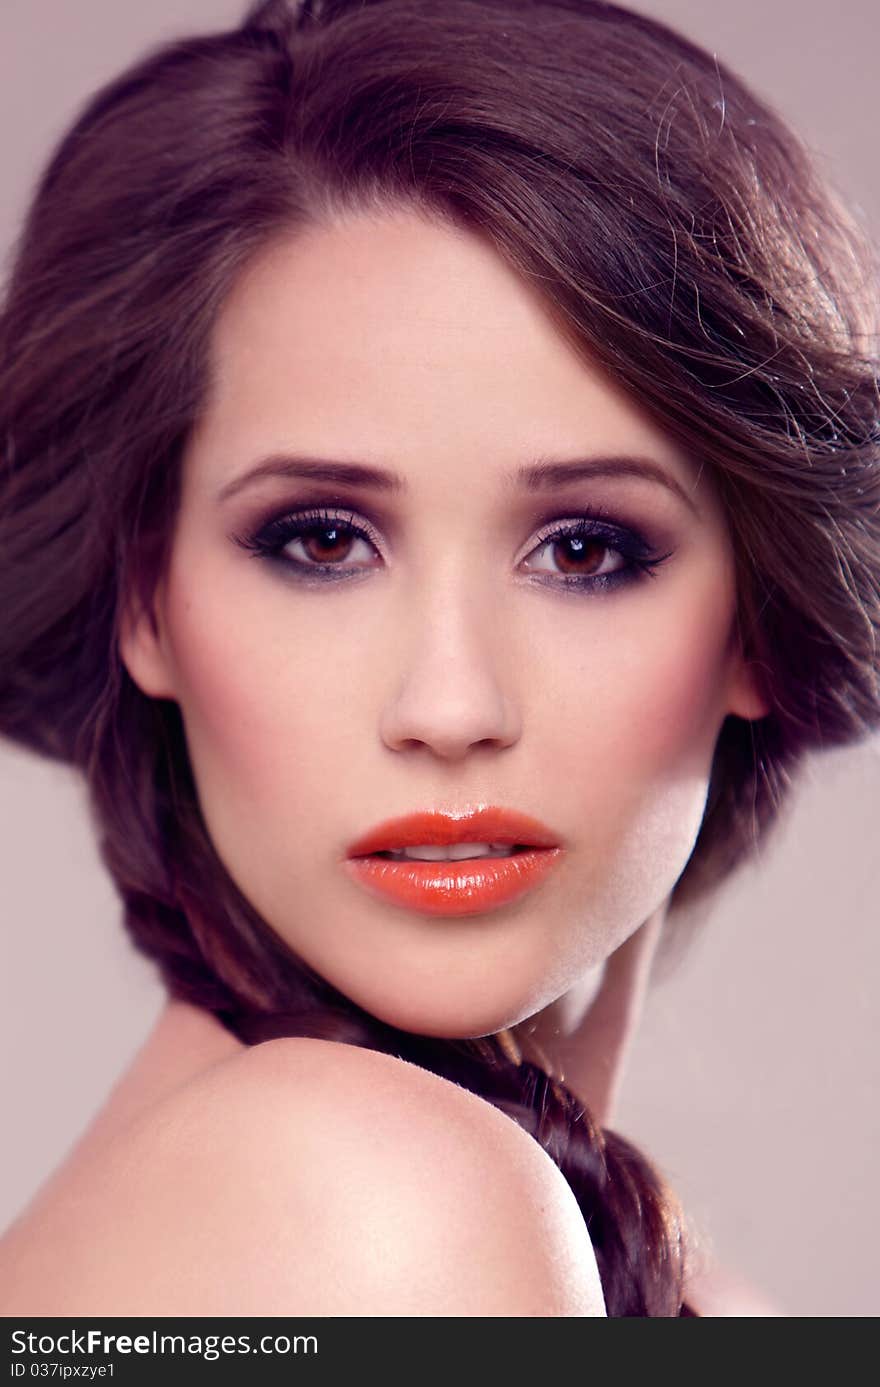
(486, 823)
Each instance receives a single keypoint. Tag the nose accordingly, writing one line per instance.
(450, 697)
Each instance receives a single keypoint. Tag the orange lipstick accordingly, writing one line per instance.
(465, 886)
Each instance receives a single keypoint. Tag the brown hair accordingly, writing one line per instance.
(679, 236)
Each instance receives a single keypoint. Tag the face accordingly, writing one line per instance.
(445, 643)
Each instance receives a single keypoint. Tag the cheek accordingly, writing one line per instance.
(671, 706)
(636, 714)
(265, 695)
(642, 693)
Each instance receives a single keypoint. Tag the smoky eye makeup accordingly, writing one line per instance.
(585, 550)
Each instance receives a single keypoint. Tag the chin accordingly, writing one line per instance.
(448, 1018)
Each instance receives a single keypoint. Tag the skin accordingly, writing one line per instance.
(455, 669)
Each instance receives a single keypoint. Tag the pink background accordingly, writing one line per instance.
(754, 1079)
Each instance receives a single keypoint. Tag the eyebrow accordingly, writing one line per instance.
(537, 476)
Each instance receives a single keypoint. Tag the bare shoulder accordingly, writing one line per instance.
(306, 1177)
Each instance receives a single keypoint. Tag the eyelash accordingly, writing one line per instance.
(270, 539)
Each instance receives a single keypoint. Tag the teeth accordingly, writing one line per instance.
(449, 852)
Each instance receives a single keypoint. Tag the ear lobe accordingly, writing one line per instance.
(748, 698)
(142, 650)
(748, 695)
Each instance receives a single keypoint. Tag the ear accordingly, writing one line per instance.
(143, 649)
(747, 694)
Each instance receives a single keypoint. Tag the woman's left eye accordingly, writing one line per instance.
(582, 548)
(323, 539)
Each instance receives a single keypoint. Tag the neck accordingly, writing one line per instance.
(584, 1037)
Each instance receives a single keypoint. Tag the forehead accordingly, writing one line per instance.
(412, 343)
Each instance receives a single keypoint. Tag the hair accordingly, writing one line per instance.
(681, 238)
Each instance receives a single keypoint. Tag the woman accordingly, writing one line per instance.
(415, 417)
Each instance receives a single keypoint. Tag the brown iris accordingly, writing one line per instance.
(579, 544)
(335, 549)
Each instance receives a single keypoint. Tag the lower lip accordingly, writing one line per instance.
(466, 887)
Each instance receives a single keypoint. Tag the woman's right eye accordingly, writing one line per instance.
(323, 538)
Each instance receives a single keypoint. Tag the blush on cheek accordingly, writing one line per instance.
(641, 753)
(675, 697)
(665, 769)
(223, 699)
(677, 726)
(266, 728)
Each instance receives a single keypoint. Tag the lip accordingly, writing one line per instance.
(465, 887)
(486, 823)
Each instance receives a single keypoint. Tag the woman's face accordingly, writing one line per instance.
(454, 656)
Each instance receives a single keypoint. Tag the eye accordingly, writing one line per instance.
(579, 556)
(321, 545)
(587, 554)
(314, 543)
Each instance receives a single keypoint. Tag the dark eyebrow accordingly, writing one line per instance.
(533, 477)
(316, 470)
(545, 476)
